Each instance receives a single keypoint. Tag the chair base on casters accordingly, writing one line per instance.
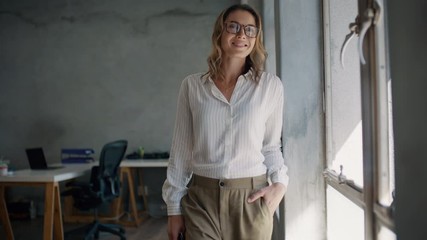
(92, 231)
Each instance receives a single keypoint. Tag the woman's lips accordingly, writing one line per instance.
(239, 44)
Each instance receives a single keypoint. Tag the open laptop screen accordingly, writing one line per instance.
(37, 160)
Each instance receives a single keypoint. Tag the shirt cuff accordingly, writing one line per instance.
(174, 210)
(279, 178)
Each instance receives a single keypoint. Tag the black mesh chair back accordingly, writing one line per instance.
(103, 187)
(105, 177)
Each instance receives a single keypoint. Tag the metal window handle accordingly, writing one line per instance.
(354, 31)
(378, 6)
(372, 16)
(366, 24)
(341, 177)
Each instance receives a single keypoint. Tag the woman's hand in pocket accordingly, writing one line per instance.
(272, 195)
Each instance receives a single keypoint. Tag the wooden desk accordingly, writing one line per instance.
(127, 167)
(52, 208)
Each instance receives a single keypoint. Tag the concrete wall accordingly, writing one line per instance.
(81, 73)
(301, 72)
(408, 59)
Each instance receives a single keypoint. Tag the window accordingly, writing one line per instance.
(360, 166)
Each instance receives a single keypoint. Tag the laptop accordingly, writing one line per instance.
(37, 160)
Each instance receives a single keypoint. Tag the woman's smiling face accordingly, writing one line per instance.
(238, 44)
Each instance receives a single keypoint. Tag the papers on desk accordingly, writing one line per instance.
(77, 155)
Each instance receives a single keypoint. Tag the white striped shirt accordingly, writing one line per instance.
(220, 139)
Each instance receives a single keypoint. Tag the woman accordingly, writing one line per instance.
(227, 140)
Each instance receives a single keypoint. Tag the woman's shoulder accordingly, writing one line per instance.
(269, 78)
(195, 78)
(272, 85)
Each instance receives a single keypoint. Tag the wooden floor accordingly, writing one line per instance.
(150, 229)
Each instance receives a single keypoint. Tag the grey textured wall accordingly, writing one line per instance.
(81, 73)
(78, 73)
(301, 70)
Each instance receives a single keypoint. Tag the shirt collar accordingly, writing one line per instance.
(247, 75)
(206, 78)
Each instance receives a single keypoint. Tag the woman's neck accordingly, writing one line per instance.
(232, 69)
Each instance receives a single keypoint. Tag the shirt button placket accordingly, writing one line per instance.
(228, 135)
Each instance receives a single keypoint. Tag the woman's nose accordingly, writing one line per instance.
(241, 33)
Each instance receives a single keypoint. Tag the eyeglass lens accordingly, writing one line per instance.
(250, 31)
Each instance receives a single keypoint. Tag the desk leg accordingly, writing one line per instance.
(5, 215)
(133, 206)
(58, 225)
(48, 211)
(144, 194)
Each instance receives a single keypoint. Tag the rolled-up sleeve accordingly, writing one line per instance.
(274, 161)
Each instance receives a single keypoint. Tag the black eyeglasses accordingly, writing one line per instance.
(234, 27)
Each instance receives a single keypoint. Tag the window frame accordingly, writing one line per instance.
(373, 197)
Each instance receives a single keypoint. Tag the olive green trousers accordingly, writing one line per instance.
(218, 209)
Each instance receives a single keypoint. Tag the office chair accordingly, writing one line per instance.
(104, 186)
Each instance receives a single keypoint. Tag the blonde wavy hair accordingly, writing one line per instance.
(255, 60)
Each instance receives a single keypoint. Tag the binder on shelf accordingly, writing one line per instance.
(77, 155)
